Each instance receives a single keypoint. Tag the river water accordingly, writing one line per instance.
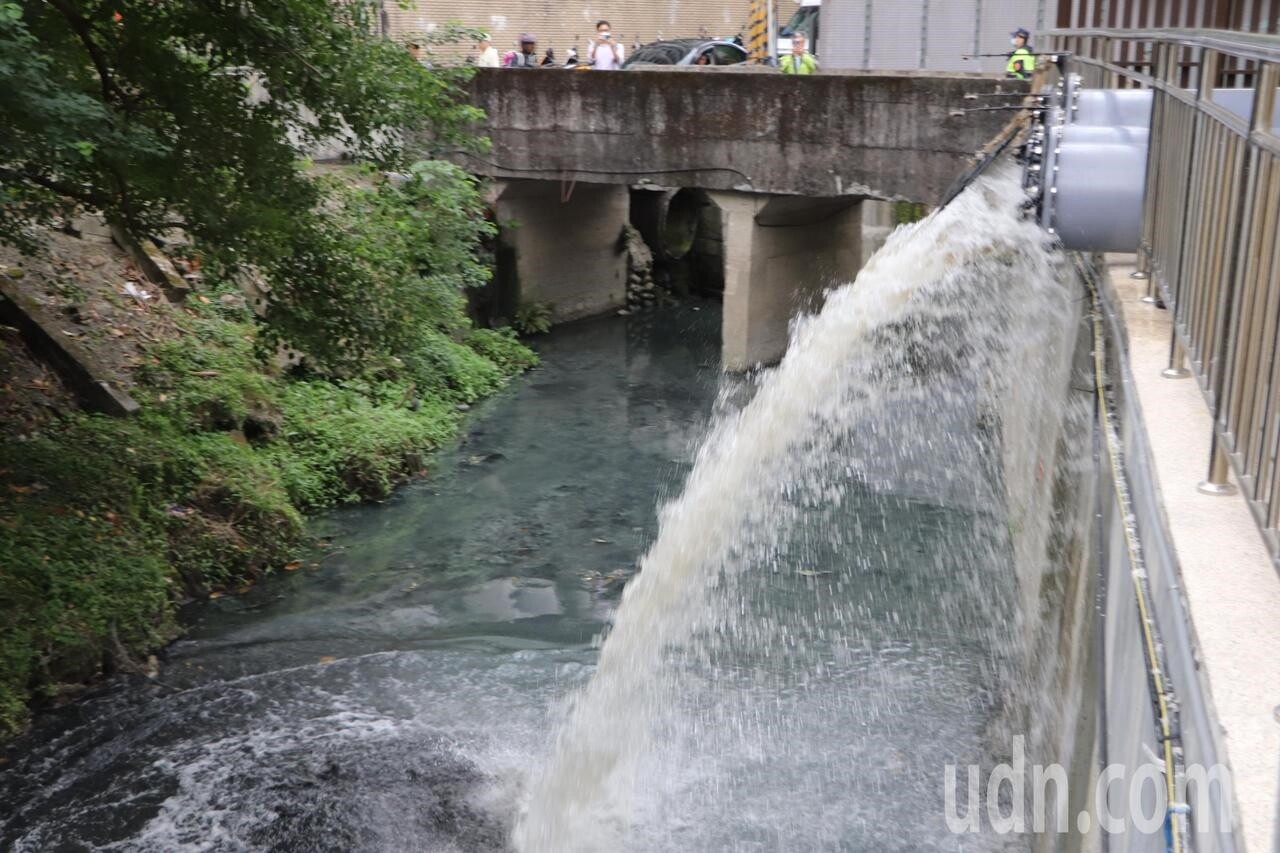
(828, 614)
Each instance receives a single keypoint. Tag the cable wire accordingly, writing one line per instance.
(1158, 685)
(576, 169)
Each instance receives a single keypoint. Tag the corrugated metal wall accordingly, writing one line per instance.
(894, 35)
(561, 25)
(895, 29)
(1262, 16)
(934, 34)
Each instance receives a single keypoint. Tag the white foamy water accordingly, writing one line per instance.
(754, 655)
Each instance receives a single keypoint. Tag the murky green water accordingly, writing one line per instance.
(423, 634)
(520, 535)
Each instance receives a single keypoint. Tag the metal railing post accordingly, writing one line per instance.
(1143, 271)
(1150, 202)
(1177, 368)
(1219, 481)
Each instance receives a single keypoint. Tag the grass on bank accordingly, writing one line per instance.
(107, 524)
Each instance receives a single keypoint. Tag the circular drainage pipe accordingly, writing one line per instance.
(668, 221)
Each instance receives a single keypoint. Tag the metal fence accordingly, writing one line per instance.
(1211, 224)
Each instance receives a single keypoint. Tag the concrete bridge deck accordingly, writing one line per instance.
(869, 135)
(786, 161)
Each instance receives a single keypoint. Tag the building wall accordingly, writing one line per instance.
(935, 34)
(561, 25)
(898, 35)
(1261, 16)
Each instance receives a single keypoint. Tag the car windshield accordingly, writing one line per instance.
(729, 54)
(659, 54)
(803, 21)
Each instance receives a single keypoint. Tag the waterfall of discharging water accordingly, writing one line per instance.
(938, 375)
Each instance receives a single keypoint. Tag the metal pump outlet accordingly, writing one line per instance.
(1085, 159)
(1085, 164)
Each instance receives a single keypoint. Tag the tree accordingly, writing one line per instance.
(191, 114)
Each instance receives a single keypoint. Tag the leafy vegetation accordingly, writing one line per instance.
(108, 106)
(906, 212)
(533, 318)
(108, 523)
(183, 122)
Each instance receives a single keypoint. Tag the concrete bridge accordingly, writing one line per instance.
(785, 161)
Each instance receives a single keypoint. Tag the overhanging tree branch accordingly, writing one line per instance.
(83, 29)
(69, 191)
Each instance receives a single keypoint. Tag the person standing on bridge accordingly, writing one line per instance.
(1022, 62)
(603, 53)
(528, 55)
(486, 53)
(800, 60)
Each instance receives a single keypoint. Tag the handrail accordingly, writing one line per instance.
(1211, 220)
(1258, 46)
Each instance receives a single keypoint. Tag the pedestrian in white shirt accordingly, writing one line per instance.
(603, 53)
(486, 53)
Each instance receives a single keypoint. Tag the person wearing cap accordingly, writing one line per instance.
(486, 53)
(528, 55)
(1022, 62)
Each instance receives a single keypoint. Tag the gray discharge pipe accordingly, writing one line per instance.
(1086, 161)
(1093, 169)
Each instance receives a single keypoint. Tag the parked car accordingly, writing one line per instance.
(687, 52)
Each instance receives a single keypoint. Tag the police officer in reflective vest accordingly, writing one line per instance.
(1022, 62)
(799, 60)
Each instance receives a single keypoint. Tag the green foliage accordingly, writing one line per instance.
(390, 261)
(905, 212)
(79, 561)
(164, 114)
(342, 444)
(502, 348)
(533, 318)
(107, 522)
(193, 114)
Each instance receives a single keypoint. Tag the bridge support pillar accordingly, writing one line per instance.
(559, 244)
(780, 254)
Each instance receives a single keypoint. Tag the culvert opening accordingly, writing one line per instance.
(682, 229)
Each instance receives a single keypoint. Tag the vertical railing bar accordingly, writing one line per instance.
(1209, 59)
(1253, 335)
(1217, 479)
(1267, 395)
(1204, 214)
(1227, 272)
(1273, 474)
(1251, 319)
(1188, 266)
(1200, 245)
(1217, 280)
(1150, 201)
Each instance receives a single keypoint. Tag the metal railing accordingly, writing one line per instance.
(1211, 229)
